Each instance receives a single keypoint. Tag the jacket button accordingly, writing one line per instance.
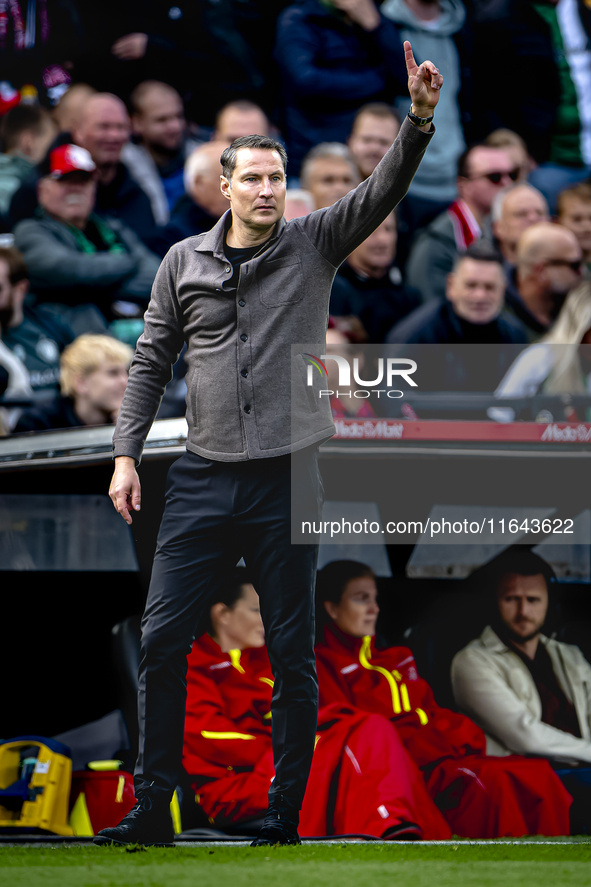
(228, 269)
(244, 373)
(241, 302)
(244, 337)
(247, 409)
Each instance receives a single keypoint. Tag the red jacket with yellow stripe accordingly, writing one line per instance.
(386, 681)
(230, 730)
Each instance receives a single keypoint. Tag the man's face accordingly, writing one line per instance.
(522, 208)
(234, 124)
(329, 179)
(370, 140)
(376, 254)
(356, 614)
(576, 216)
(103, 130)
(69, 199)
(476, 290)
(488, 172)
(257, 190)
(523, 603)
(161, 123)
(103, 389)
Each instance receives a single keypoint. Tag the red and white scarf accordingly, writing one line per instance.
(466, 228)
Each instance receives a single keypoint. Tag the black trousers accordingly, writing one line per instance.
(216, 512)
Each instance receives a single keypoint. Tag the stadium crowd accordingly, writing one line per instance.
(112, 123)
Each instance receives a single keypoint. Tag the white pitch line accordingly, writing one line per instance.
(488, 842)
(479, 843)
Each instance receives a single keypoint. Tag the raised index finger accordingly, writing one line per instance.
(411, 65)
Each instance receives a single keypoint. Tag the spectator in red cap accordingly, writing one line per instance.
(103, 128)
(73, 255)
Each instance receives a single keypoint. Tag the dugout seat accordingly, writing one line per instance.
(434, 645)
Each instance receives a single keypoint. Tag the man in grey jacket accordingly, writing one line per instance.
(240, 296)
(530, 693)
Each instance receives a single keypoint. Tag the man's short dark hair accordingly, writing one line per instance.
(19, 119)
(517, 560)
(229, 155)
(479, 252)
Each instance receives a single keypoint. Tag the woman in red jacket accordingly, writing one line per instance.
(480, 796)
(362, 779)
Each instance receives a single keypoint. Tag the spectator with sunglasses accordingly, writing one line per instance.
(548, 267)
(482, 172)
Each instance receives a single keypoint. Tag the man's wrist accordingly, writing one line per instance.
(122, 459)
(418, 111)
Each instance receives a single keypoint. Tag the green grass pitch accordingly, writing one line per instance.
(556, 864)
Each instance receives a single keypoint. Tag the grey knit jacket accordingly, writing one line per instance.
(247, 394)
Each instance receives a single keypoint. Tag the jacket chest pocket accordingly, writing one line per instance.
(281, 282)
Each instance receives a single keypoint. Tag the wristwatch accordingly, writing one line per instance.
(418, 121)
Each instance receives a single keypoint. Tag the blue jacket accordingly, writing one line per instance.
(331, 68)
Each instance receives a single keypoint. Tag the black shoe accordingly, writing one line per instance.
(280, 825)
(406, 831)
(148, 822)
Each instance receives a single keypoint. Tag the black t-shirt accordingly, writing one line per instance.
(236, 256)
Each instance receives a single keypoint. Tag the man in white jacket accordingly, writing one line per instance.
(529, 693)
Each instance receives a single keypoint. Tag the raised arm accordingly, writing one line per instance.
(337, 230)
